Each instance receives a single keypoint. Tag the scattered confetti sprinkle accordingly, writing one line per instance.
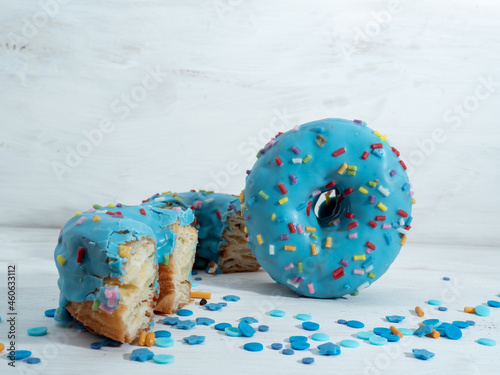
(185, 324)
(276, 346)
(231, 298)
(349, 343)
(395, 318)
(310, 326)
(164, 342)
(263, 328)
(423, 354)
(37, 331)
(487, 342)
(141, 355)
(307, 360)
(277, 313)
(329, 349)
(194, 339)
(184, 312)
(163, 359)
(355, 324)
(320, 337)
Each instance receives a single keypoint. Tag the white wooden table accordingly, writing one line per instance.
(414, 278)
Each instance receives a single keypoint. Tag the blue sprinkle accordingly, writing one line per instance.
(320, 337)
(233, 331)
(164, 342)
(194, 284)
(390, 337)
(378, 152)
(405, 186)
(310, 326)
(80, 327)
(342, 321)
(495, 304)
(379, 331)
(184, 312)
(20, 354)
(444, 278)
(368, 263)
(460, 324)
(307, 360)
(37, 331)
(171, 320)
(33, 361)
(263, 328)
(487, 342)
(222, 326)
(297, 338)
(452, 331)
(395, 318)
(249, 320)
(223, 304)
(303, 317)
(141, 355)
(288, 352)
(431, 322)
(253, 346)
(185, 324)
(277, 313)
(329, 349)
(355, 324)
(251, 201)
(198, 278)
(194, 272)
(388, 238)
(434, 302)
(163, 359)
(471, 322)
(320, 130)
(109, 342)
(423, 330)
(377, 340)
(50, 313)
(482, 310)
(276, 346)
(162, 334)
(231, 298)
(301, 206)
(300, 345)
(204, 321)
(422, 354)
(194, 339)
(408, 222)
(213, 306)
(96, 345)
(246, 329)
(441, 308)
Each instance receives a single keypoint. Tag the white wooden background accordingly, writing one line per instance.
(231, 73)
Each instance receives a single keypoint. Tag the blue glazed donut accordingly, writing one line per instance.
(327, 207)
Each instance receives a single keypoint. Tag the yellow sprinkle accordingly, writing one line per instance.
(174, 194)
(363, 190)
(327, 199)
(61, 259)
(178, 198)
(166, 192)
(111, 205)
(259, 239)
(413, 201)
(359, 257)
(283, 200)
(290, 248)
(314, 251)
(382, 206)
(378, 134)
(142, 338)
(403, 240)
(150, 339)
(243, 207)
(2, 347)
(77, 213)
(342, 168)
(124, 251)
(328, 243)
(383, 138)
(310, 229)
(246, 230)
(371, 275)
(96, 218)
(300, 267)
(273, 217)
(242, 196)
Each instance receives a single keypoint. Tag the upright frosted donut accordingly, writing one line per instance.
(222, 246)
(327, 207)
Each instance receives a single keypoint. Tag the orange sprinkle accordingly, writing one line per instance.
(470, 310)
(2, 347)
(342, 168)
(96, 218)
(142, 338)
(419, 311)
(150, 339)
(396, 331)
(290, 248)
(259, 239)
(314, 251)
(434, 334)
(403, 240)
(200, 295)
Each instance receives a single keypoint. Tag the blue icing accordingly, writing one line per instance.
(316, 170)
(209, 225)
(101, 240)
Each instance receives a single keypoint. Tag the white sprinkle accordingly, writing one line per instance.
(209, 200)
(271, 249)
(292, 284)
(369, 268)
(403, 231)
(100, 211)
(401, 221)
(297, 161)
(383, 190)
(159, 199)
(364, 285)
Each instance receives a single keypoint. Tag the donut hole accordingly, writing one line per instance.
(327, 207)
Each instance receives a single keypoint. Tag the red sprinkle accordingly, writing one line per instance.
(340, 151)
(348, 191)
(340, 199)
(291, 227)
(349, 215)
(370, 245)
(408, 227)
(380, 218)
(80, 255)
(282, 188)
(218, 214)
(365, 155)
(395, 151)
(278, 161)
(377, 145)
(146, 200)
(338, 273)
(330, 184)
(110, 213)
(403, 164)
(308, 210)
(372, 224)
(354, 224)
(143, 211)
(402, 213)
